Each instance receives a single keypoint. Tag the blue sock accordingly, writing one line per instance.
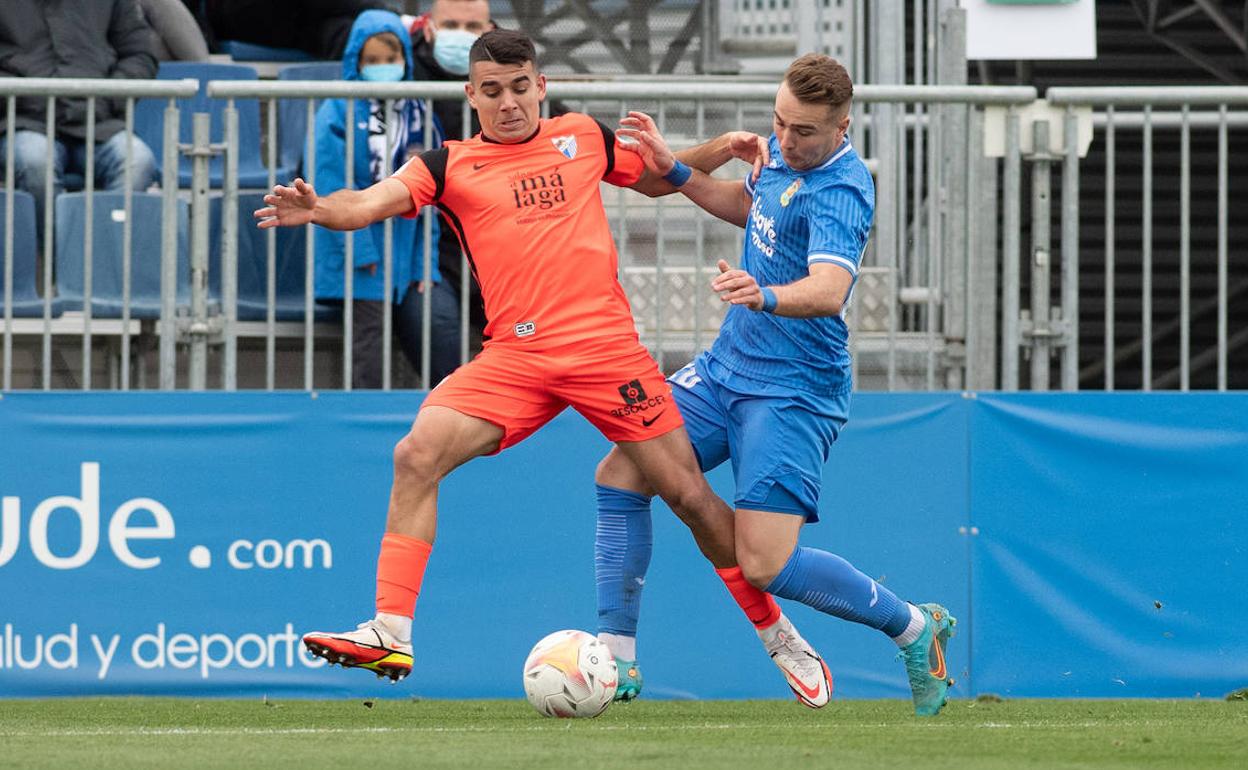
(830, 584)
(622, 547)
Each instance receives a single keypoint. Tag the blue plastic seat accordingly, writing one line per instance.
(26, 300)
(290, 266)
(149, 122)
(243, 51)
(107, 263)
(292, 114)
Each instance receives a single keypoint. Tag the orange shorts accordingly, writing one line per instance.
(616, 386)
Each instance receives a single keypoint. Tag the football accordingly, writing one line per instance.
(570, 674)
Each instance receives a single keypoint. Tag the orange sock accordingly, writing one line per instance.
(400, 570)
(759, 607)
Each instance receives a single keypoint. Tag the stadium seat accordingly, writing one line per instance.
(26, 300)
(109, 222)
(242, 51)
(292, 114)
(149, 122)
(290, 267)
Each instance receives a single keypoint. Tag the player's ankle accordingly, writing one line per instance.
(913, 629)
(399, 626)
(621, 646)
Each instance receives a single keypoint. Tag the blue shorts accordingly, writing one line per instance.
(778, 438)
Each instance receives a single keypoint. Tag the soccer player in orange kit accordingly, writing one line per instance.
(523, 197)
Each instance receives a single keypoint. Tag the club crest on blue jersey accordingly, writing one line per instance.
(565, 145)
(787, 195)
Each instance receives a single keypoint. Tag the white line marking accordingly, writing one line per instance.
(546, 725)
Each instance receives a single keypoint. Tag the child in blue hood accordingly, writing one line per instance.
(379, 49)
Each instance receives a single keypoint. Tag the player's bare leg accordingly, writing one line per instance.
(670, 468)
(440, 440)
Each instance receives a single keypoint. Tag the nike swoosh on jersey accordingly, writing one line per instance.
(647, 423)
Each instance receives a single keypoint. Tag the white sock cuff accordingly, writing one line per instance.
(622, 647)
(913, 629)
(400, 626)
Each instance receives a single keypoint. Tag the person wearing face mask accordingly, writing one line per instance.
(378, 51)
(441, 40)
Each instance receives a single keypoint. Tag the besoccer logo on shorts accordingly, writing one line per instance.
(632, 392)
(636, 401)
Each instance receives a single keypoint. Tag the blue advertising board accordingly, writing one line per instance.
(162, 543)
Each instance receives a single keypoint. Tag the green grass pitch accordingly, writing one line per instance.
(369, 735)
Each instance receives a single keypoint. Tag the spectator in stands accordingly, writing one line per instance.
(74, 39)
(440, 42)
(378, 49)
(178, 36)
(319, 27)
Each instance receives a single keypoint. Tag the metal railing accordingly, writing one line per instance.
(1188, 110)
(46, 327)
(948, 296)
(663, 243)
(661, 238)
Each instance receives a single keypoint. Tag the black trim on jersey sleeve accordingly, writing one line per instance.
(448, 214)
(435, 161)
(608, 143)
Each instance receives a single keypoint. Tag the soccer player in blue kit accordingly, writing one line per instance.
(772, 394)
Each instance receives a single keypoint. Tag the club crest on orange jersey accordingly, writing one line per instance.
(565, 145)
(787, 195)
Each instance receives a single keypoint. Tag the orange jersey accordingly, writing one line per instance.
(530, 218)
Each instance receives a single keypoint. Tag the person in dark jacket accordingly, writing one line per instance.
(441, 39)
(440, 43)
(74, 39)
(177, 30)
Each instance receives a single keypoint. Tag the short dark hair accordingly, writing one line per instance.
(818, 79)
(503, 46)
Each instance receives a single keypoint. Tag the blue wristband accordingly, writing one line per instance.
(769, 300)
(679, 174)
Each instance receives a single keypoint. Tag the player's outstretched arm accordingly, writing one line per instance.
(723, 198)
(298, 204)
(822, 293)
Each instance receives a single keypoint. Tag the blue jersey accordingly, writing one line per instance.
(799, 218)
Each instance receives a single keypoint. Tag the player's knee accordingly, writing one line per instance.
(414, 457)
(616, 470)
(693, 501)
(759, 566)
(608, 469)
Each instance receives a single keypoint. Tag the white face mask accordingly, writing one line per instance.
(450, 49)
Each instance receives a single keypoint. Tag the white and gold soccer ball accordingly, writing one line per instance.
(570, 674)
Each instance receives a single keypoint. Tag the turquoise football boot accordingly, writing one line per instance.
(925, 661)
(628, 685)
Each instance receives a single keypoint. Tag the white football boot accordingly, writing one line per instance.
(369, 646)
(803, 669)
